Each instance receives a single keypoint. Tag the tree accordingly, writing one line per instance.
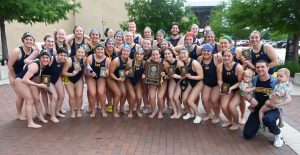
(221, 24)
(280, 16)
(31, 11)
(159, 14)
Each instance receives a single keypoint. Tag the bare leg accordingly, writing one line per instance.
(160, 97)
(171, 90)
(123, 97)
(176, 98)
(24, 91)
(224, 106)
(78, 95)
(53, 103)
(233, 103)
(38, 106)
(139, 97)
(70, 87)
(242, 109)
(215, 101)
(145, 97)
(205, 96)
(61, 95)
(92, 91)
(112, 84)
(152, 94)
(101, 91)
(194, 94)
(131, 98)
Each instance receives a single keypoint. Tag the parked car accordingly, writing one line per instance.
(280, 43)
(243, 43)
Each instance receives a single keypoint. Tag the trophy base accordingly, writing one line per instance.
(152, 81)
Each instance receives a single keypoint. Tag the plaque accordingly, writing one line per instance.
(171, 71)
(103, 72)
(130, 72)
(183, 70)
(46, 79)
(225, 88)
(77, 66)
(122, 74)
(152, 72)
(86, 48)
(247, 54)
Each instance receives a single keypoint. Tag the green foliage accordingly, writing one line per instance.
(221, 24)
(293, 67)
(159, 14)
(276, 15)
(30, 11)
(281, 16)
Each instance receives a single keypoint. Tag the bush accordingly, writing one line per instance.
(294, 68)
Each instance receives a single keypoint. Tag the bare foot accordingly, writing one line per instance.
(79, 114)
(242, 121)
(178, 115)
(60, 115)
(234, 127)
(93, 114)
(42, 119)
(21, 117)
(173, 116)
(33, 125)
(139, 113)
(130, 115)
(73, 115)
(116, 115)
(215, 120)
(160, 115)
(104, 114)
(207, 117)
(124, 112)
(226, 124)
(54, 119)
(152, 115)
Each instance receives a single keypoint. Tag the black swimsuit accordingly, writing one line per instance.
(138, 73)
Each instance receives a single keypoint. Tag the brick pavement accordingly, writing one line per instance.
(123, 136)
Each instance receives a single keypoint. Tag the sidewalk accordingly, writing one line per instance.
(124, 136)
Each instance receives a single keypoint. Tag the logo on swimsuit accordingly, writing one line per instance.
(228, 73)
(97, 65)
(58, 66)
(257, 55)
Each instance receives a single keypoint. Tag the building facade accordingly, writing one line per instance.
(93, 13)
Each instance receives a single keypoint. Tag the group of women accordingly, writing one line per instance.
(104, 66)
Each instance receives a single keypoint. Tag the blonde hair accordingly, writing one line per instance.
(285, 71)
(248, 72)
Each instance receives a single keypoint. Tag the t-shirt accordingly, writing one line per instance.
(281, 92)
(245, 85)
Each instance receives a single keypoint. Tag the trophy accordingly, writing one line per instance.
(46, 79)
(77, 66)
(122, 74)
(103, 72)
(130, 72)
(86, 48)
(247, 54)
(225, 88)
(183, 70)
(171, 71)
(152, 72)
